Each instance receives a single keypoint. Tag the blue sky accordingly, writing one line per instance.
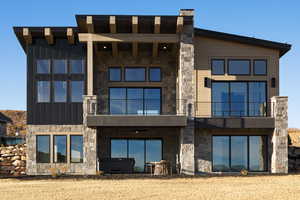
(276, 20)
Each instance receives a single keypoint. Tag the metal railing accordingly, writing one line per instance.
(233, 109)
(148, 107)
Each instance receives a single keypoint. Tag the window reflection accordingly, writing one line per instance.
(43, 148)
(118, 148)
(60, 148)
(154, 74)
(135, 74)
(260, 67)
(77, 66)
(43, 66)
(76, 91)
(114, 74)
(239, 153)
(136, 150)
(76, 148)
(218, 67)
(257, 148)
(239, 67)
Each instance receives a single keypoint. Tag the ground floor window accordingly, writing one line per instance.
(234, 153)
(142, 150)
(60, 149)
(76, 148)
(43, 149)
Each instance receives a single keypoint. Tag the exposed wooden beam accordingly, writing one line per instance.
(70, 35)
(27, 35)
(135, 21)
(48, 35)
(156, 31)
(113, 29)
(89, 24)
(129, 37)
(179, 24)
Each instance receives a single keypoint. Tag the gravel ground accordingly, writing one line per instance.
(232, 187)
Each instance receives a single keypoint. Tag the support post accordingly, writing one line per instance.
(90, 73)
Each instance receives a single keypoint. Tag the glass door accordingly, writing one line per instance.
(136, 150)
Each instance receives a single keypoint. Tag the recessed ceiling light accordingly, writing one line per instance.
(165, 47)
(104, 47)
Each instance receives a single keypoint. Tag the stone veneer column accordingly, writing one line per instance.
(89, 135)
(187, 92)
(279, 161)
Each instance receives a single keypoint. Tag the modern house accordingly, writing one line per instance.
(152, 88)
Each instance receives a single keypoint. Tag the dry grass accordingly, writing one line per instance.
(259, 187)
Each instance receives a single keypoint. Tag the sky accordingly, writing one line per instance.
(276, 20)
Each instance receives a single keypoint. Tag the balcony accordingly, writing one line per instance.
(135, 112)
(234, 115)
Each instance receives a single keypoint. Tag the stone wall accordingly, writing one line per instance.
(13, 160)
(89, 150)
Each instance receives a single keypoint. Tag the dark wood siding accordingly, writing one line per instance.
(52, 113)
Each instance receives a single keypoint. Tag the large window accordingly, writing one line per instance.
(234, 153)
(218, 66)
(76, 148)
(43, 148)
(60, 149)
(43, 91)
(260, 67)
(60, 91)
(239, 67)
(77, 91)
(142, 150)
(135, 74)
(239, 99)
(135, 101)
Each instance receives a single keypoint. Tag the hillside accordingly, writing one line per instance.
(18, 118)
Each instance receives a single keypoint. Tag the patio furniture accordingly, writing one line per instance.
(160, 168)
(117, 165)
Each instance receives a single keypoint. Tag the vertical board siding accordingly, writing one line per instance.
(52, 113)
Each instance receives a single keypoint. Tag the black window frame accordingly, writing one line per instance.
(149, 74)
(53, 145)
(229, 96)
(211, 66)
(235, 74)
(70, 153)
(266, 156)
(121, 74)
(145, 73)
(143, 139)
(127, 98)
(49, 148)
(254, 71)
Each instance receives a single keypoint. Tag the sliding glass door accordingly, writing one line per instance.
(234, 153)
(141, 150)
(233, 98)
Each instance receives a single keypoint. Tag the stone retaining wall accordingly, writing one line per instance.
(13, 160)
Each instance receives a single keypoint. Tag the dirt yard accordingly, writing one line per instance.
(248, 188)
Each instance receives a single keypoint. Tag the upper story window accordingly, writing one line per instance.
(60, 91)
(238, 67)
(135, 74)
(115, 74)
(154, 74)
(235, 98)
(77, 66)
(218, 66)
(43, 91)
(260, 67)
(60, 66)
(43, 66)
(77, 91)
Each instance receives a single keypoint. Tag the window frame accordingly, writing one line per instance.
(37, 91)
(235, 74)
(36, 150)
(143, 139)
(224, 67)
(70, 146)
(266, 154)
(121, 74)
(145, 73)
(149, 74)
(248, 102)
(254, 71)
(49, 66)
(126, 98)
(67, 94)
(66, 136)
(66, 62)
